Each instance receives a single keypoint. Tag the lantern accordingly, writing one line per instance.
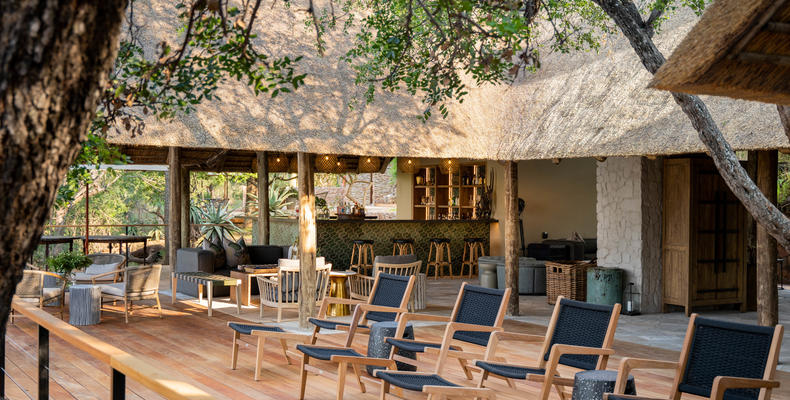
(407, 165)
(632, 301)
(278, 163)
(449, 166)
(369, 164)
(326, 163)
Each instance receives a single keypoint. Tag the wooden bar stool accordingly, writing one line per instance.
(473, 248)
(436, 258)
(362, 256)
(402, 247)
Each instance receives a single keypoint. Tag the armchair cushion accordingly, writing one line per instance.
(329, 324)
(265, 254)
(114, 289)
(246, 329)
(326, 353)
(95, 269)
(414, 382)
(414, 346)
(52, 292)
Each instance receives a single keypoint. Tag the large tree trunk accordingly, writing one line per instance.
(54, 58)
(511, 235)
(626, 16)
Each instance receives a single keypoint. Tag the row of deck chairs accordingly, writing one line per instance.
(719, 360)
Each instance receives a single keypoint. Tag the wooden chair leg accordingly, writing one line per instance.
(315, 335)
(303, 376)
(234, 350)
(279, 314)
(385, 388)
(159, 306)
(341, 379)
(465, 368)
(284, 345)
(259, 357)
(200, 292)
(483, 378)
(359, 378)
(125, 311)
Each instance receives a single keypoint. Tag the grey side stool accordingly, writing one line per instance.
(591, 385)
(488, 274)
(84, 305)
(379, 348)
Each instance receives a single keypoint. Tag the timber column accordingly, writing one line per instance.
(511, 235)
(174, 204)
(767, 296)
(263, 198)
(307, 239)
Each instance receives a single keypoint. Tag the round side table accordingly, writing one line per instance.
(379, 348)
(84, 305)
(591, 385)
(337, 288)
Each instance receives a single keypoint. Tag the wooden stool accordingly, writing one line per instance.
(362, 256)
(473, 248)
(437, 259)
(402, 247)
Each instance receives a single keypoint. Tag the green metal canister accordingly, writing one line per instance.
(604, 285)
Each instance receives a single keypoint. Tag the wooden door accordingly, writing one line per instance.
(676, 240)
(719, 259)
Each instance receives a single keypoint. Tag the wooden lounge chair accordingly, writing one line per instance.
(282, 291)
(139, 283)
(719, 360)
(392, 288)
(474, 306)
(579, 335)
(33, 287)
(388, 290)
(395, 285)
(103, 264)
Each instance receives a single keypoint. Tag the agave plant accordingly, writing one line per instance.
(215, 219)
(280, 196)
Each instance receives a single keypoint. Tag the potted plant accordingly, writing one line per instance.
(66, 263)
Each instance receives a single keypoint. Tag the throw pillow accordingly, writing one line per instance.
(236, 253)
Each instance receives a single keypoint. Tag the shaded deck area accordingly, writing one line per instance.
(196, 347)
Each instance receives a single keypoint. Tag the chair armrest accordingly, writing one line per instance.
(558, 350)
(405, 318)
(377, 362)
(459, 391)
(111, 273)
(722, 383)
(372, 307)
(521, 337)
(628, 364)
(334, 300)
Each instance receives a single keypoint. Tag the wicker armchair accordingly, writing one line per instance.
(361, 285)
(32, 287)
(139, 283)
(282, 291)
(103, 264)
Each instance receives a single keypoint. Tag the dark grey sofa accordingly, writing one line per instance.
(198, 259)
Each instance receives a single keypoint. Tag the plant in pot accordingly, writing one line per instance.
(217, 229)
(66, 263)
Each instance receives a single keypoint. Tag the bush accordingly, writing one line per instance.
(68, 262)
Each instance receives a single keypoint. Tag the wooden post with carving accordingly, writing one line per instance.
(307, 239)
(263, 198)
(174, 204)
(767, 296)
(511, 235)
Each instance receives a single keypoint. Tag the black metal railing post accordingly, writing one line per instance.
(43, 363)
(118, 385)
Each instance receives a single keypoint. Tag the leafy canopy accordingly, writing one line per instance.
(432, 48)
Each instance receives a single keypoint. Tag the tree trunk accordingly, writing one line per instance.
(307, 239)
(54, 58)
(263, 198)
(767, 295)
(175, 239)
(626, 16)
(511, 235)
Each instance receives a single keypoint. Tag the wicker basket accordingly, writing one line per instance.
(567, 278)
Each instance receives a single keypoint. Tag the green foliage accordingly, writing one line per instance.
(433, 48)
(281, 194)
(68, 262)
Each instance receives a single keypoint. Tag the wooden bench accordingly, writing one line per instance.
(209, 280)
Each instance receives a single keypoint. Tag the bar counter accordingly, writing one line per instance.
(335, 237)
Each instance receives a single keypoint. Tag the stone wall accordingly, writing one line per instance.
(628, 212)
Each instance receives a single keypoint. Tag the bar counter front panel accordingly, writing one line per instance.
(335, 237)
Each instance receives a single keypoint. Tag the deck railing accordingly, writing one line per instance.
(122, 363)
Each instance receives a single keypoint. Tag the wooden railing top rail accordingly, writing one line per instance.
(133, 367)
(103, 225)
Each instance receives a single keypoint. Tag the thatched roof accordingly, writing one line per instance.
(578, 105)
(739, 49)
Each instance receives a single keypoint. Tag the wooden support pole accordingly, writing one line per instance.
(174, 204)
(511, 235)
(307, 239)
(767, 296)
(263, 198)
(186, 225)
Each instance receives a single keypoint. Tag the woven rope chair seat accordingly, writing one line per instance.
(417, 347)
(329, 324)
(246, 329)
(414, 382)
(509, 371)
(326, 353)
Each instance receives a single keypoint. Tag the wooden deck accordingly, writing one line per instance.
(196, 347)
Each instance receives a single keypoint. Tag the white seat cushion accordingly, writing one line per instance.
(114, 289)
(51, 293)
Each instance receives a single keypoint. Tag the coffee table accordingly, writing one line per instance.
(207, 279)
(248, 280)
(337, 288)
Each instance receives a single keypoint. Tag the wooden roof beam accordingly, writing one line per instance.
(758, 58)
(778, 27)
